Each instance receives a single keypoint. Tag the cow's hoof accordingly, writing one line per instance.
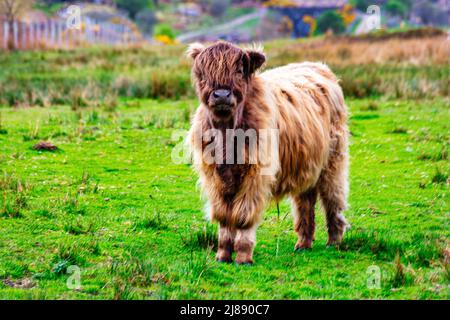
(333, 243)
(224, 260)
(244, 263)
(300, 249)
(303, 245)
(224, 257)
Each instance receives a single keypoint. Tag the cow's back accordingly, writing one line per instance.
(309, 102)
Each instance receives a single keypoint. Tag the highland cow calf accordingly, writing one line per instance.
(304, 104)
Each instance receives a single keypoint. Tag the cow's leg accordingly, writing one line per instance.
(244, 244)
(246, 213)
(304, 224)
(333, 189)
(226, 242)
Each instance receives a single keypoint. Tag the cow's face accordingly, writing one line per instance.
(222, 73)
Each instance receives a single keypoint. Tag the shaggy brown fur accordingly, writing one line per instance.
(305, 104)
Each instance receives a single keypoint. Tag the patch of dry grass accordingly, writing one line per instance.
(346, 52)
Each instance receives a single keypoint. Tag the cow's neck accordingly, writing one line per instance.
(222, 125)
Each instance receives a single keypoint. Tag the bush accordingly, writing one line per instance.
(164, 30)
(330, 20)
(396, 8)
(362, 4)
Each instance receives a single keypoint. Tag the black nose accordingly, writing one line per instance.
(222, 94)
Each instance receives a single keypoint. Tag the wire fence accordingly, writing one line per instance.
(54, 33)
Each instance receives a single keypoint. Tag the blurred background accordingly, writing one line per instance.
(97, 52)
(92, 92)
(57, 23)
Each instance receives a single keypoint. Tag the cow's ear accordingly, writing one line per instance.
(255, 59)
(194, 50)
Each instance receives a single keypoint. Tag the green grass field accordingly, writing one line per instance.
(112, 202)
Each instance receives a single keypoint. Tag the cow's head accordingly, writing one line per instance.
(222, 74)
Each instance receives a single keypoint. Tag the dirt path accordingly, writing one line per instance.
(193, 35)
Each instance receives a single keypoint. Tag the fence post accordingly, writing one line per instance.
(79, 34)
(23, 34)
(66, 36)
(125, 35)
(59, 33)
(27, 35)
(52, 32)
(105, 34)
(87, 34)
(34, 33)
(108, 33)
(5, 34)
(46, 32)
(16, 34)
(30, 36)
(117, 34)
(38, 34)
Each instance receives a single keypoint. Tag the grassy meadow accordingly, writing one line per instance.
(111, 201)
